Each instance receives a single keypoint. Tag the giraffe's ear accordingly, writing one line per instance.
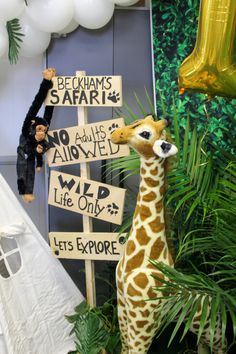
(164, 149)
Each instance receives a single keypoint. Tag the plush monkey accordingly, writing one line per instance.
(32, 143)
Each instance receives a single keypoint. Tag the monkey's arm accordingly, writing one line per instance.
(39, 160)
(48, 114)
(36, 105)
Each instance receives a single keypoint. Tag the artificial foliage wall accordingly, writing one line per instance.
(201, 192)
(174, 35)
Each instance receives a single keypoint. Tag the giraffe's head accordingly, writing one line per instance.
(147, 137)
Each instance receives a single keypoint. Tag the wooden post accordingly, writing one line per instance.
(87, 221)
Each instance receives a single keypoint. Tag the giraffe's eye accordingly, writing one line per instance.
(145, 134)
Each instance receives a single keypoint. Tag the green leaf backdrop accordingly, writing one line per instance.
(174, 33)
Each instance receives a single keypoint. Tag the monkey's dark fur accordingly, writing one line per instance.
(26, 151)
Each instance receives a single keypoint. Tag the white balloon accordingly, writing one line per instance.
(93, 14)
(3, 39)
(10, 9)
(50, 15)
(35, 42)
(124, 2)
(70, 27)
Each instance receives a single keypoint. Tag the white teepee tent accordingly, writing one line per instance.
(35, 290)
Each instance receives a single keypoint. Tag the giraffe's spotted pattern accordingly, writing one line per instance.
(151, 182)
(157, 249)
(135, 261)
(141, 280)
(149, 197)
(130, 247)
(147, 240)
(136, 276)
(142, 237)
(131, 291)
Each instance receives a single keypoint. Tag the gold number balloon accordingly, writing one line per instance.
(211, 67)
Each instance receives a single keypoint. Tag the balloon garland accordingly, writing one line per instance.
(38, 19)
(31, 47)
(50, 15)
(93, 14)
(10, 9)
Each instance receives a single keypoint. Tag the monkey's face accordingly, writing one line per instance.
(40, 132)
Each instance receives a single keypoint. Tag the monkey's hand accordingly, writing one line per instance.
(38, 169)
(49, 73)
(39, 149)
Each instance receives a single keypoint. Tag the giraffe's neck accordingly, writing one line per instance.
(151, 189)
(147, 237)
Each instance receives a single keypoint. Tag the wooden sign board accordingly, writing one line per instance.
(86, 143)
(95, 199)
(93, 246)
(85, 91)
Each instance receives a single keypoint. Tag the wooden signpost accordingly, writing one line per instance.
(85, 91)
(82, 144)
(83, 196)
(93, 246)
(86, 143)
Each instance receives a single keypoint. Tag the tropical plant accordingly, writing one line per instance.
(96, 328)
(15, 39)
(201, 195)
(214, 287)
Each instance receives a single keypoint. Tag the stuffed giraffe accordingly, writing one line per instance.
(134, 274)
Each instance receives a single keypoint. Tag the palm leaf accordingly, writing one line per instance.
(181, 317)
(124, 164)
(204, 315)
(150, 103)
(140, 105)
(217, 234)
(131, 114)
(15, 38)
(91, 335)
(192, 313)
(195, 170)
(191, 291)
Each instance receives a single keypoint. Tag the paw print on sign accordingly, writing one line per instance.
(113, 96)
(113, 127)
(112, 209)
